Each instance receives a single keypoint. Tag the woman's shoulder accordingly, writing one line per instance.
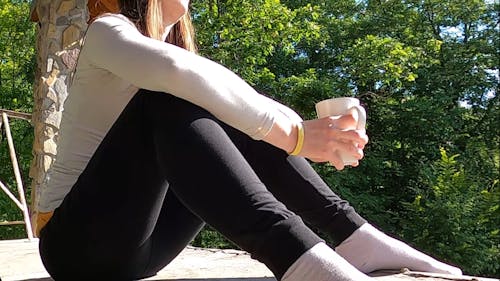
(112, 20)
(109, 27)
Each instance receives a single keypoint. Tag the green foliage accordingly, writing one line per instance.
(17, 50)
(455, 218)
(375, 62)
(17, 64)
(211, 238)
(427, 73)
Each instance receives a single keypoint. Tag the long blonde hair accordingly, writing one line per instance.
(147, 16)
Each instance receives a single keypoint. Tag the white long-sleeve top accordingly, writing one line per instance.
(116, 61)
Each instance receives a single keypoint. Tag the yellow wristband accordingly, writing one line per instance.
(300, 139)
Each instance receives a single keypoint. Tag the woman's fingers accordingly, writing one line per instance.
(325, 140)
(349, 148)
(348, 121)
(334, 148)
(357, 137)
(339, 165)
(345, 123)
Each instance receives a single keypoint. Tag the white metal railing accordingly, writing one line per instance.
(21, 201)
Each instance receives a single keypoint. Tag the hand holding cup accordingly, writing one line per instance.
(349, 116)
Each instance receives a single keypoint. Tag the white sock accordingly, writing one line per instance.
(321, 263)
(369, 249)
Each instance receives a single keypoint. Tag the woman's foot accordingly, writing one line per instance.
(369, 249)
(321, 263)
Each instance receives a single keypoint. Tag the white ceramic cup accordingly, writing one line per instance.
(341, 106)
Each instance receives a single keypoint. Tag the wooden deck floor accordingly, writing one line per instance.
(19, 261)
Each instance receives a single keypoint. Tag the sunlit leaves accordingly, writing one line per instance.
(17, 49)
(17, 63)
(374, 62)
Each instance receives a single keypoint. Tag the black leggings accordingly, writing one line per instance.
(166, 167)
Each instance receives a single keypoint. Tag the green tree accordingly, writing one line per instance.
(427, 72)
(457, 217)
(17, 63)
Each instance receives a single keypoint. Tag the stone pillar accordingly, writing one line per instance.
(61, 25)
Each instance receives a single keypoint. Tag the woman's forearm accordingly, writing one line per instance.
(283, 134)
(114, 44)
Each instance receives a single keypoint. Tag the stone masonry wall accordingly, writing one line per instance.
(62, 24)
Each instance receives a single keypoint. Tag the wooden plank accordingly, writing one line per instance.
(11, 196)
(11, 223)
(16, 114)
